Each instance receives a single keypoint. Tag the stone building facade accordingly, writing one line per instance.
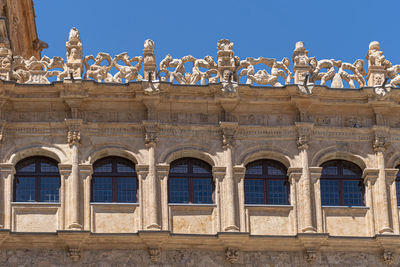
(328, 131)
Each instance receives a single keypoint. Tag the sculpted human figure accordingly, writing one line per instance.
(19, 70)
(278, 68)
(97, 71)
(358, 73)
(375, 56)
(127, 72)
(74, 54)
(317, 65)
(393, 73)
(207, 63)
(178, 64)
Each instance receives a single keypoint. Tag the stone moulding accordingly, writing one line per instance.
(227, 70)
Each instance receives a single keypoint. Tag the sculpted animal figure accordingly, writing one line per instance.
(96, 71)
(127, 72)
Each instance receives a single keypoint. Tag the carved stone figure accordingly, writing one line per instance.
(127, 72)
(5, 58)
(301, 61)
(54, 65)
(225, 60)
(315, 73)
(310, 256)
(393, 73)
(155, 255)
(278, 68)
(74, 54)
(149, 64)
(97, 71)
(377, 65)
(232, 255)
(358, 74)
(387, 257)
(179, 74)
(37, 71)
(207, 63)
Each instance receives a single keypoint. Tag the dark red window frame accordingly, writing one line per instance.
(190, 175)
(114, 175)
(265, 177)
(37, 174)
(340, 177)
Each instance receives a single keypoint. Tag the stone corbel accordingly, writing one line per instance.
(370, 175)
(315, 173)
(294, 174)
(73, 241)
(155, 255)
(391, 175)
(218, 173)
(312, 243)
(389, 245)
(232, 255)
(154, 241)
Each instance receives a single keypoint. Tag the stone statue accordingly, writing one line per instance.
(301, 63)
(97, 71)
(127, 72)
(358, 74)
(149, 64)
(375, 56)
(278, 68)
(225, 60)
(178, 74)
(54, 65)
(207, 63)
(315, 73)
(74, 55)
(377, 65)
(393, 74)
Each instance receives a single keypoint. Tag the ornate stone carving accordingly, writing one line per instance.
(380, 144)
(232, 255)
(225, 61)
(74, 55)
(310, 256)
(150, 135)
(74, 254)
(155, 255)
(5, 55)
(127, 72)
(388, 257)
(301, 61)
(278, 69)
(316, 66)
(74, 137)
(358, 74)
(149, 61)
(377, 65)
(179, 74)
(228, 139)
(96, 71)
(302, 142)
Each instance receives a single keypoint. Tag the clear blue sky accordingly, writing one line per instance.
(330, 28)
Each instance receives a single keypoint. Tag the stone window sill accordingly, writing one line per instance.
(345, 210)
(113, 204)
(269, 207)
(192, 207)
(31, 204)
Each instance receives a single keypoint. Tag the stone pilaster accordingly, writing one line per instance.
(74, 139)
(379, 146)
(304, 130)
(228, 130)
(219, 174)
(65, 173)
(315, 174)
(86, 171)
(151, 181)
(239, 174)
(370, 177)
(142, 172)
(7, 174)
(390, 175)
(294, 175)
(162, 174)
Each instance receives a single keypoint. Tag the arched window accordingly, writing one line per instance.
(266, 182)
(190, 181)
(398, 186)
(341, 184)
(37, 179)
(114, 180)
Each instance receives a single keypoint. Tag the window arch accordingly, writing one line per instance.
(37, 179)
(341, 184)
(266, 182)
(114, 180)
(190, 181)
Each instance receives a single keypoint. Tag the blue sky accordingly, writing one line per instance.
(330, 28)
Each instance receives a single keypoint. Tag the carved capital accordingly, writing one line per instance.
(232, 255)
(155, 255)
(219, 173)
(74, 254)
(370, 175)
(294, 174)
(388, 257)
(380, 144)
(391, 175)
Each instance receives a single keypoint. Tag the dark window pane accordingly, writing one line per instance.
(124, 168)
(330, 192)
(277, 192)
(349, 172)
(181, 168)
(25, 189)
(398, 192)
(330, 170)
(126, 190)
(28, 168)
(203, 190)
(104, 168)
(254, 191)
(49, 189)
(48, 167)
(102, 189)
(275, 171)
(255, 169)
(200, 169)
(352, 193)
(178, 190)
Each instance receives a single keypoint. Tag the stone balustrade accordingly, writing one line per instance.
(306, 72)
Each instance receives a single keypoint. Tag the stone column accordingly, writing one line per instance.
(239, 174)
(315, 174)
(86, 171)
(151, 180)
(218, 176)
(306, 212)
(7, 174)
(162, 174)
(142, 173)
(74, 138)
(384, 216)
(391, 175)
(294, 175)
(228, 130)
(65, 173)
(370, 176)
